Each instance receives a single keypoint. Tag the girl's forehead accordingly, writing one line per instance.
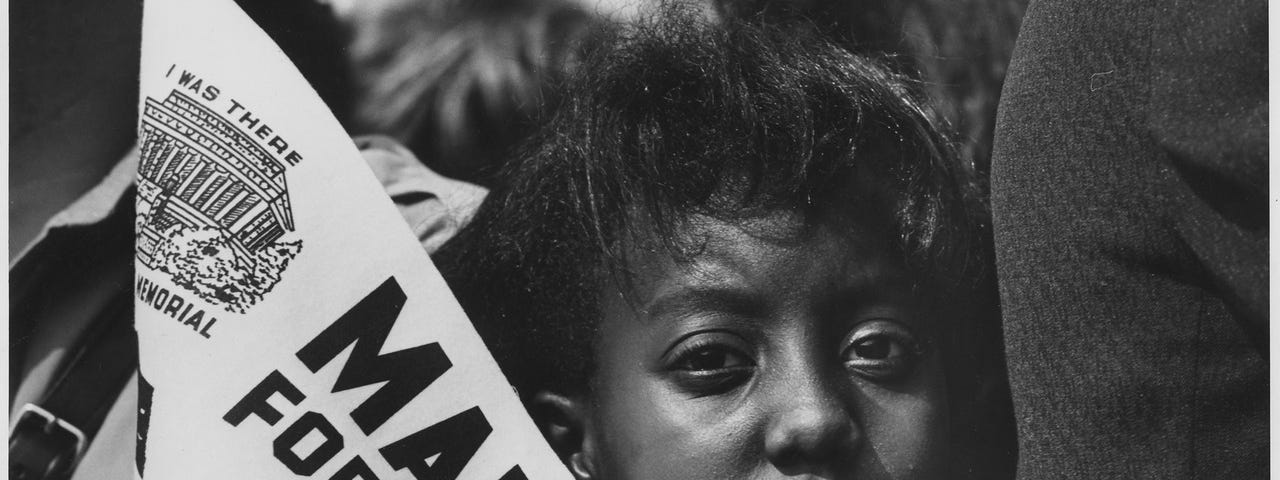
(776, 252)
(830, 232)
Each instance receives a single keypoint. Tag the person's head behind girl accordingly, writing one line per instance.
(732, 252)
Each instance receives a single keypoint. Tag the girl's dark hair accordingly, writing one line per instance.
(674, 117)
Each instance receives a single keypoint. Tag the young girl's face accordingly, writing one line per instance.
(760, 357)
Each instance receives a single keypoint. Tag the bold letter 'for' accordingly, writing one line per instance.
(255, 402)
(407, 372)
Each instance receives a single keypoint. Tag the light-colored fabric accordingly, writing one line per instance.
(94, 205)
(435, 208)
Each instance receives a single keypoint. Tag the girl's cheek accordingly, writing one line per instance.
(909, 429)
(660, 432)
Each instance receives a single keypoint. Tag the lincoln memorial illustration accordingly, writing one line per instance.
(198, 172)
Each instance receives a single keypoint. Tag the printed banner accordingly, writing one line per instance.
(289, 323)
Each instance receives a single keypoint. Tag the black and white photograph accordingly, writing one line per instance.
(639, 239)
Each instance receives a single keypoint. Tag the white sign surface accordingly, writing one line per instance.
(289, 323)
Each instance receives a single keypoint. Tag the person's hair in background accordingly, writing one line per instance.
(958, 48)
(459, 82)
(673, 125)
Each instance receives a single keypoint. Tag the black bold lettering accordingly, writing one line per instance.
(514, 474)
(263, 131)
(205, 331)
(279, 144)
(354, 469)
(407, 372)
(185, 78)
(247, 119)
(293, 158)
(175, 303)
(149, 293)
(234, 106)
(195, 319)
(307, 423)
(255, 401)
(456, 440)
(211, 93)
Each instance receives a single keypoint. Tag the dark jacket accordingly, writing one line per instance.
(1129, 187)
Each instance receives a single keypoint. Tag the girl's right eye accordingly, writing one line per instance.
(710, 363)
(713, 359)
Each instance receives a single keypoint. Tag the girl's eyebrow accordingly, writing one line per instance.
(688, 300)
(870, 287)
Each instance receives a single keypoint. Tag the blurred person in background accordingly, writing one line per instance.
(460, 82)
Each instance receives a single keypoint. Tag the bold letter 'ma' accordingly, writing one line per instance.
(407, 372)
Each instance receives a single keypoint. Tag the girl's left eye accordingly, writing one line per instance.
(878, 348)
(881, 350)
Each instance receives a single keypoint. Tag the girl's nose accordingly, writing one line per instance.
(811, 429)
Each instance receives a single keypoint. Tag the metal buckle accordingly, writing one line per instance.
(43, 446)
